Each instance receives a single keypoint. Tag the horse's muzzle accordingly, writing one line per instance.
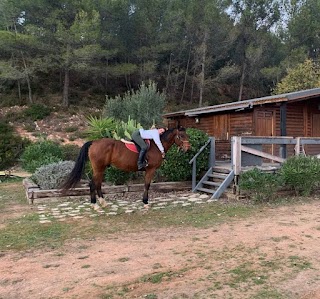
(186, 146)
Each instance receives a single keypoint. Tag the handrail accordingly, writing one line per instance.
(200, 151)
(211, 163)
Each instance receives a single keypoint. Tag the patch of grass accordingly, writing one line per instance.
(241, 274)
(85, 266)
(83, 257)
(158, 277)
(123, 259)
(27, 232)
(11, 192)
(299, 263)
(279, 239)
(71, 129)
(268, 294)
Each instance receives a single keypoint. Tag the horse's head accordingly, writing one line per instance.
(182, 139)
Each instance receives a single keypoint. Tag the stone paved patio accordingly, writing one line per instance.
(78, 210)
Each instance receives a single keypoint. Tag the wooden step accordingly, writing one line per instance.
(215, 184)
(215, 175)
(221, 170)
(206, 190)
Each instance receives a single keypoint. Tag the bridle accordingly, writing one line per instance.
(183, 144)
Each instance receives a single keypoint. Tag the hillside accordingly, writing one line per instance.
(63, 126)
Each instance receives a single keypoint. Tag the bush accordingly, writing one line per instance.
(302, 174)
(37, 111)
(51, 176)
(100, 127)
(70, 152)
(117, 176)
(262, 186)
(177, 167)
(11, 146)
(144, 105)
(39, 154)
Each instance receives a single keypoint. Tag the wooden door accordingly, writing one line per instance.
(264, 123)
(316, 125)
(265, 126)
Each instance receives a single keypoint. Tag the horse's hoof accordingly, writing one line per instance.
(95, 206)
(102, 202)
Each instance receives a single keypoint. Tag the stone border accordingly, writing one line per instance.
(33, 191)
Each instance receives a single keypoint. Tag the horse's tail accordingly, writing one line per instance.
(78, 168)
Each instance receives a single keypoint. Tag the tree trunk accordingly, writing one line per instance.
(27, 79)
(169, 71)
(243, 71)
(186, 76)
(65, 97)
(19, 90)
(192, 85)
(203, 63)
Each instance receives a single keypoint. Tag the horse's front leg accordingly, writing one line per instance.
(147, 181)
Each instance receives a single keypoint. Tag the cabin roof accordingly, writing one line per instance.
(241, 105)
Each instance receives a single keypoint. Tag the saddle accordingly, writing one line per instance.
(131, 146)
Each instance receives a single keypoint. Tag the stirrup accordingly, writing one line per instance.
(142, 165)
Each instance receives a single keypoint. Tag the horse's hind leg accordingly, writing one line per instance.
(93, 192)
(98, 178)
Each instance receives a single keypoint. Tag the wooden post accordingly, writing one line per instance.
(194, 174)
(212, 157)
(297, 146)
(236, 154)
(283, 129)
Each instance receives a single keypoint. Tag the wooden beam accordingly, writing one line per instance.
(261, 154)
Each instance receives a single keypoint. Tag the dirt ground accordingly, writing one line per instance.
(276, 253)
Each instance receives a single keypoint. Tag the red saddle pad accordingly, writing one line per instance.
(132, 147)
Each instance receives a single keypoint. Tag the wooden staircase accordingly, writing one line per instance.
(215, 181)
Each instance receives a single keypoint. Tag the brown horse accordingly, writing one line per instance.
(107, 151)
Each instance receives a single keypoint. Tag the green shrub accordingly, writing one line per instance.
(11, 146)
(301, 173)
(144, 105)
(177, 167)
(51, 176)
(39, 154)
(70, 152)
(262, 186)
(99, 127)
(117, 176)
(37, 111)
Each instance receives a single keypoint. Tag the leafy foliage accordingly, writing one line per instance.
(51, 176)
(303, 76)
(144, 105)
(302, 174)
(70, 152)
(39, 154)
(117, 176)
(177, 167)
(125, 129)
(261, 185)
(11, 146)
(37, 111)
(100, 127)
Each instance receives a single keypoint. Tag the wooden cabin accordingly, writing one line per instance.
(295, 114)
